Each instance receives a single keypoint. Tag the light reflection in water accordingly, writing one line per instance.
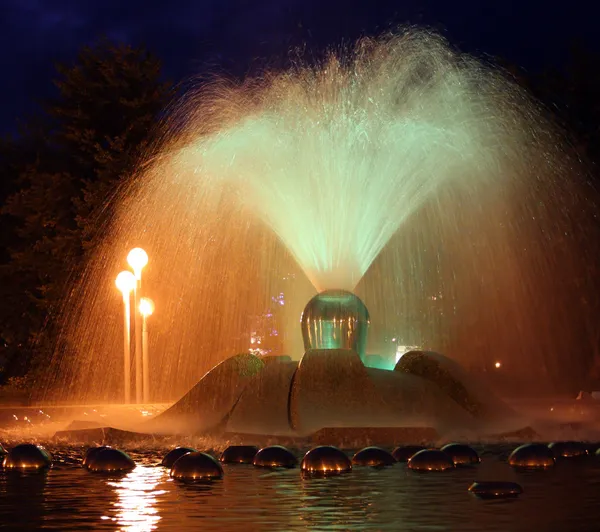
(136, 508)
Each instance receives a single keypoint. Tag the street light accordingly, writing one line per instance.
(126, 283)
(146, 309)
(137, 259)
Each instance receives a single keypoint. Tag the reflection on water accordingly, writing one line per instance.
(137, 499)
(68, 498)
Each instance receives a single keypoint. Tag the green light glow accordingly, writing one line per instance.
(335, 159)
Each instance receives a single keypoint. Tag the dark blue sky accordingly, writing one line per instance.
(237, 35)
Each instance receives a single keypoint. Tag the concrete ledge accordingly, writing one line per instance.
(356, 437)
(102, 436)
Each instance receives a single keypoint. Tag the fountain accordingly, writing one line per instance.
(402, 174)
(335, 319)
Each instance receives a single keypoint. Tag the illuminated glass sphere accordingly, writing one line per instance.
(335, 319)
(146, 306)
(125, 281)
(196, 466)
(568, 449)
(275, 456)
(239, 454)
(430, 460)
(325, 460)
(27, 456)
(404, 453)
(532, 456)
(137, 259)
(495, 489)
(91, 452)
(110, 460)
(174, 454)
(461, 455)
(373, 457)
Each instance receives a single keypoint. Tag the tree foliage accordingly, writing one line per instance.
(88, 140)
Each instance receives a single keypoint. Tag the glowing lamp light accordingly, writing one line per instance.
(125, 282)
(497, 364)
(146, 307)
(137, 259)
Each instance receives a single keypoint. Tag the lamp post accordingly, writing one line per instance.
(146, 309)
(126, 283)
(137, 259)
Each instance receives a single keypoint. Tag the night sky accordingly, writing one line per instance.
(239, 36)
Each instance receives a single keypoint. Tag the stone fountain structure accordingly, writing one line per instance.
(330, 390)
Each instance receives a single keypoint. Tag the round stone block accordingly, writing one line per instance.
(532, 456)
(110, 460)
(175, 454)
(239, 454)
(461, 455)
(196, 466)
(404, 453)
(495, 489)
(568, 449)
(430, 460)
(275, 456)
(91, 452)
(27, 456)
(325, 460)
(373, 457)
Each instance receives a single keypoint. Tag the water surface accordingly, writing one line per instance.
(69, 498)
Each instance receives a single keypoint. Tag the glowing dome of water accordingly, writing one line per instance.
(335, 319)
(400, 169)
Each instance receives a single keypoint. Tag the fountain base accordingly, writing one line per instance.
(331, 389)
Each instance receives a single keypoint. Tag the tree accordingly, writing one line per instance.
(91, 139)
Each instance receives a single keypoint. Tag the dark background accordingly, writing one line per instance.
(197, 36)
